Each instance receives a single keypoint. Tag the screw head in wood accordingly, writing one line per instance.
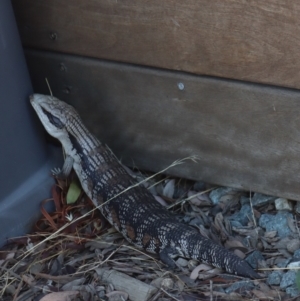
(53, 36)
(180, 86)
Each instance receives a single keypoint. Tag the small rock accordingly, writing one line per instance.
(223, 194)
(167, 283)
(275, 277)
(241, 286)
(278, 222)
(254, 258)
(294, 265)
(243, 215)
(283, 204)
(293, 291)
(297, 254)
(293, 245)
(182, 262)
(261, 199)
(288, 279)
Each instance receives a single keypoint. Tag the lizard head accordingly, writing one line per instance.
(63, 122)
(54, 114)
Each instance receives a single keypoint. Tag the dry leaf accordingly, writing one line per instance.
(117, 295)
(60, 296)
(160, 200)
(261, 295)
(270, 234)
(235, 244)
(29, 279)
(282, 243)
(169, 189)
(239, 253)
(10, 255)
(70, 285)
(220, 227)
(201, 267)
(200, 199)
(232, 296)
(267, 291)
(291, 224)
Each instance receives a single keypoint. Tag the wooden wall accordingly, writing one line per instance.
(247, 40)
(162, 80)
(245, 136)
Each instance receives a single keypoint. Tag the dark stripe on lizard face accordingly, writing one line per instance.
(53, 119)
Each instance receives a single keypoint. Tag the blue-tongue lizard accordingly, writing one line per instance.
(134, 212)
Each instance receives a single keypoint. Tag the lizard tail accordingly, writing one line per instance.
(207, 251)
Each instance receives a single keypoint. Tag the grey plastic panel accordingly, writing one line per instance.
(24, 163)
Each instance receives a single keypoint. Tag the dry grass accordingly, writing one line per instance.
(45, 262)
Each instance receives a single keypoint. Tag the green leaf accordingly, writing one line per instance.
(73, 192)
(298, 280)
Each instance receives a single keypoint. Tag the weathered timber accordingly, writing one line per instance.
(245, 135)
(247, 40)
(136, 289)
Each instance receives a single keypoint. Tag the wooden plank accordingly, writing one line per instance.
(136, 289)
(245, 135)
(247, 40)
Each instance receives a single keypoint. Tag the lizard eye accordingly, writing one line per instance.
(54, 120)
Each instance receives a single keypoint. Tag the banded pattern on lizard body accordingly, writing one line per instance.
(133, 212)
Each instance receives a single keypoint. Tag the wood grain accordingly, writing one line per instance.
(245, 135)
(136, 289)
(251, 40)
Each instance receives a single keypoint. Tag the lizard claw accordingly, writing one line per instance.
(56, 172)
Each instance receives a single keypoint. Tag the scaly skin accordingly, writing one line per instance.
(134, 213)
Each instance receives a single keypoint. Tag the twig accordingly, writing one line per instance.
(55, 234)
(46, 79)
(190, 197)
(156, 183)
(175, 163)
(169, 294)
(101, 263)
(253, 215)
(211, 289)
(18, 290)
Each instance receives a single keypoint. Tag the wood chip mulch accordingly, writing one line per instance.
(74, 254)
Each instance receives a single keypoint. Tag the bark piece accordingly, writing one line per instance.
(137, 290)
